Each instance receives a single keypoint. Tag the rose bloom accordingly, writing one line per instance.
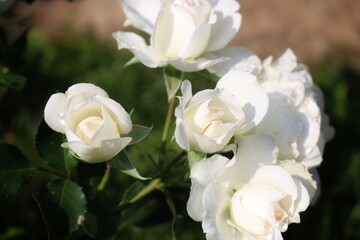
(207, 121)
(295, 116)
(183, 32)
(92, 122)
(249, 197)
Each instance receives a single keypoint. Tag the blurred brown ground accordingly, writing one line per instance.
(317, 30)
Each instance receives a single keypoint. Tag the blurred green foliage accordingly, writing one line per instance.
(52, 66)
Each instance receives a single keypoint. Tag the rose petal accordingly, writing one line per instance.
(252, 208)
(108, 130)
(138, 47)
(250, 157)
(277, 177)
(216, 203)
(251, 96)
(310, 120)
(180, 135)
(198, 64)
(194, 205)
(226, 26)
(80, 108)
(300, 172)
(205, 171)
(87, 90)
(287, 62)
(206, 144)
(239, 58)
(198, 42)
(202, 174)
(142, 14)
(173, 30)
(117, 113)
(54, 109)
(70, 134)
(106, 149)
(281, 122)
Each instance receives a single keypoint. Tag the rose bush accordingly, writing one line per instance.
(294, 116)
(92, 122)
(208, 120)
(249, 196)
(183, 32)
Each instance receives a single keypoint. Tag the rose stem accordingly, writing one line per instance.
(105, 178)
(168, 119)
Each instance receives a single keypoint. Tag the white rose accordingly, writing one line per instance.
(249, 197)
(208, 120)
(92, 122)
(294, 117)
(182, 31)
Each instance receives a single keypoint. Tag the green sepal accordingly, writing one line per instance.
(138, 133)
(123, 163)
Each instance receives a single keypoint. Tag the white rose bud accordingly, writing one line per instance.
(182, 31)
(249, 196)
(208, 120)
(92, 122)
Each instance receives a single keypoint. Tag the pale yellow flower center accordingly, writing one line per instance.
(88, 127)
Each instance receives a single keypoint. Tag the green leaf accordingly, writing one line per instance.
(90, 225)
(15, 169)
(138, 133)
(70, 197)
(54, 217)
(173, 79)
(12, 80)
(123, 163)
(48, 144)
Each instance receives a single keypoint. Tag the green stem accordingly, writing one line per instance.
(105, 178)
(153, 185)
(168, 119)
(171, 205)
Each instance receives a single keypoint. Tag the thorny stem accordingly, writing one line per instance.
(105, 178)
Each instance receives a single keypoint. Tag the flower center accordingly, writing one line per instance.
(214, 115)
(210, 128)
(88, 127)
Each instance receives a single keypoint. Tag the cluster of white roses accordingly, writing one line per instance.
(277, 125)
(269, 114)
